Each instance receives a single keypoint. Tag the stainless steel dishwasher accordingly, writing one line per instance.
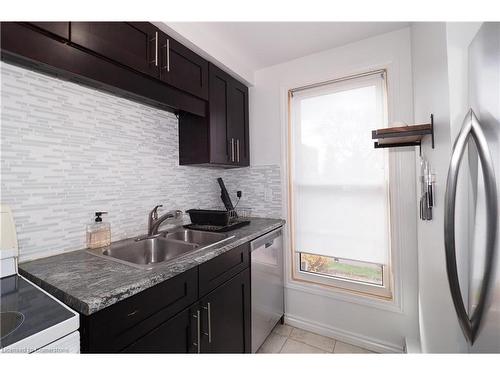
(267, 285)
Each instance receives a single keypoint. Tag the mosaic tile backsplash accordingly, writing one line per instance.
(68, 150)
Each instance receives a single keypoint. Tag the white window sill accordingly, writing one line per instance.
(393, 305)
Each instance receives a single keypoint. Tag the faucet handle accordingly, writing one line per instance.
(154, 211)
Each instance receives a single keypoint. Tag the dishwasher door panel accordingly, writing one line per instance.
(267, 285)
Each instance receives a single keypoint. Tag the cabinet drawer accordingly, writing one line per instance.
(117, 326)
(176, 335)
(220, 269)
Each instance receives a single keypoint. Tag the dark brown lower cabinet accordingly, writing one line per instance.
(203, 310)
(226, 317)
(223, 326)
(116, 327)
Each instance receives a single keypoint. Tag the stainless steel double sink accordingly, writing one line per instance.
(146, 253)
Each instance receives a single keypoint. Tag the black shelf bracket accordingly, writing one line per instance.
(432, 130)
(407, 144)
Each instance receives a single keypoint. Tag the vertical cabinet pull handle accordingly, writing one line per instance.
(168, 55)
(232, 149)
(470, 127)
(209, 319)
(156, 48)
(198, 331)
(166, 66)
(238, 150)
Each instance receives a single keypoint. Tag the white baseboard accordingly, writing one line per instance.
(342, 335)
(412, 346)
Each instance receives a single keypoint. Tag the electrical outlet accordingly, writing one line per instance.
(268, 194)
(239, 193)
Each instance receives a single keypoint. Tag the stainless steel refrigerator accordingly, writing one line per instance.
(477, 301)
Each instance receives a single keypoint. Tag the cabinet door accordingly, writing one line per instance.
(226, 317)
(238, 122)
(182, 68)
(176, 335)
(228, 141)
(60, 29)
(221, 151)
(132, 44)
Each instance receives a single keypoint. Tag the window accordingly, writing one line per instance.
(339, 185)
(346, 269)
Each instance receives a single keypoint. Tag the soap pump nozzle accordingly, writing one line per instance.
(98, 215)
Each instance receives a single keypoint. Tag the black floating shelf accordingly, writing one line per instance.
(403, 136)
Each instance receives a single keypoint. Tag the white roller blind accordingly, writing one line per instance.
(339, 181)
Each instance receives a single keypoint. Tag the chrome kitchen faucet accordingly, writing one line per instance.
(154, 221)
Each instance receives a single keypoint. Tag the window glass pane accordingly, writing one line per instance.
(339, 181)
(342, 268)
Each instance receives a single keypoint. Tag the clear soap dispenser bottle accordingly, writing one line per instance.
(99, 232)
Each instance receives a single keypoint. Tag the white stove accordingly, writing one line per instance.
(31, 320)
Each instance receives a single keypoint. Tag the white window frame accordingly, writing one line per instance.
(378, 291)
(359, 288)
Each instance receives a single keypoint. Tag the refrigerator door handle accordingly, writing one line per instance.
(470, 326)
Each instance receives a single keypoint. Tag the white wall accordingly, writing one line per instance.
(439, 61)
(345, 317)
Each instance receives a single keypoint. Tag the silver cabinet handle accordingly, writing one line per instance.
(232, 149)
(470, 326)
(156, 48)
(209, 318)
(168, 55)
(166, 65)
(198, 331)
(238, 150)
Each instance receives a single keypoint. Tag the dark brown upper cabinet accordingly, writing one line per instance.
(238, 122)
(143, 47)
(221, 139)
(221, 148)
(182, 68)
(132, 44)
(138, 61)
(119, 57)
(59, 29)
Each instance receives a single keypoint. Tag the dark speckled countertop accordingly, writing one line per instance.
(88, 283)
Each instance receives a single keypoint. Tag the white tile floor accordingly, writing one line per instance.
(288, 339)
